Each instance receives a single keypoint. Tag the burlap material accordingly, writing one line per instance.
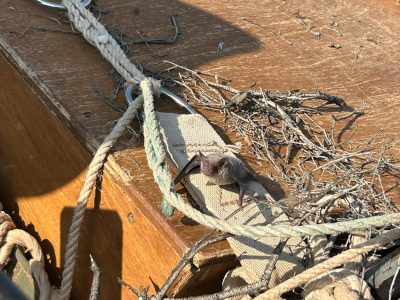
(184, 136)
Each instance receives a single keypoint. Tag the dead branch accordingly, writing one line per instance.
(95, 288)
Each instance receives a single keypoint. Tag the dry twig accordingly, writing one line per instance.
(283, 129)
(95, 288)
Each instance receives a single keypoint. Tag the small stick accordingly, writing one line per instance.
(174, 25)
(289, 149)
(258, 286)
(41, 29)
(339, 33)
(355, 112)
(347, 156)
(272, 262)
(310, 28)
(95, 288)
(106, 100)
(186, 259)
(279, 34)
(131, 288)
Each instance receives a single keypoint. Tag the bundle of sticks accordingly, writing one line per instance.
(307, 138)
(288, 130)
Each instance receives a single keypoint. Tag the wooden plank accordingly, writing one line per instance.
(42, 169)
(82, 110)
(252, 53)
(63, 66)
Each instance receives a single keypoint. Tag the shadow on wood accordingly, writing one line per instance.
(101, 237)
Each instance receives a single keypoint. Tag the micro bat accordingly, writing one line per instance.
(220, 169)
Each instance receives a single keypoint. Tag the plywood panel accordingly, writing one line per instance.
(264, 43)
(364, 70)
(42, 169)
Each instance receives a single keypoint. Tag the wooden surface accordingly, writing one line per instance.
(252, 54)
(64, 66)
(42, 169)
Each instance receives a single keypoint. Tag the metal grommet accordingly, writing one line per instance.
(59, 6)
(178, 100)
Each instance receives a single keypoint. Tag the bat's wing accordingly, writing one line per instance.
(238, 171)
(193, 163)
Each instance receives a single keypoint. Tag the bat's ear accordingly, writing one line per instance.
(202, 156)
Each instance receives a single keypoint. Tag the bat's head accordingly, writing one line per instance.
(211, 164)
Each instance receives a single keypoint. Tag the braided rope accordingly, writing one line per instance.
(97, 35)
(6, 224)
(24, 239)
(338, 283)
(9, 238)
(156, 155)
(329, 264)
(94, 167)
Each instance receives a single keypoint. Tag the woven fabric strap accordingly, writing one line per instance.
(184, 136)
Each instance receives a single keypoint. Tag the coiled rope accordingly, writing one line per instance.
(9, 238)
(329, 264)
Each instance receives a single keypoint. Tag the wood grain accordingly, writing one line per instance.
(252, 54)
(63, 67)
(42, 169)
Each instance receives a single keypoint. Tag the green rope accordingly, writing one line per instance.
(156, 159)
(166, 208)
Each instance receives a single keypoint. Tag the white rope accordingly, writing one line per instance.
(97, 35)
(337, 284)
(156, 157)
(9, 238)
(329, 264)
(96, 164)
